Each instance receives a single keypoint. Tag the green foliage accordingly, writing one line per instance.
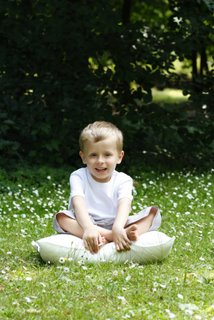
(176, 137)
(191, 24)
(63, 65)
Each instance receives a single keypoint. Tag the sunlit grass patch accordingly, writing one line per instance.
(181, 287)
(168, 96)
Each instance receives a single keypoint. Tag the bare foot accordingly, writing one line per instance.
(132, 232)
(104, 241)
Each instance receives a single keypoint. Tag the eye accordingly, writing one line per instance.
(108, 154)
(92, 155)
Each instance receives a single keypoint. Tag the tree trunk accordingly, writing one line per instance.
(203, 62)
(194, 65)
(126, 11)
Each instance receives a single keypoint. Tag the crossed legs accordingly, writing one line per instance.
(133, 230)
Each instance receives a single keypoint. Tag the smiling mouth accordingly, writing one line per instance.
(100, 169)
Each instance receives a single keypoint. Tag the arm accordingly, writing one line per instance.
(119, 234)
(123, 210)
(81, 212)
(91, 237)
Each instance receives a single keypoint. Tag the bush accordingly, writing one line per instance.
(63, 65)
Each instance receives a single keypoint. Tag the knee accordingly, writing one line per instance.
(156, 218)
(153, 211)
(60, 217)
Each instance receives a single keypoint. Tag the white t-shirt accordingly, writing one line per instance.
(101, 198)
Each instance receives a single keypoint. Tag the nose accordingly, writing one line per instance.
(100, 159)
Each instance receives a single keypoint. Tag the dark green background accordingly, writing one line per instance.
(65, 63)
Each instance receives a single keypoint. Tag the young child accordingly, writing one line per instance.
(100, 198)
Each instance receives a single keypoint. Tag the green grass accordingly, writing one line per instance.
(168, 96)
(181, 287)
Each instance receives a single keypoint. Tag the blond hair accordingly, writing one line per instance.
(101, 130)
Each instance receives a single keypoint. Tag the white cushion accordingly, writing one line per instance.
(150, 247)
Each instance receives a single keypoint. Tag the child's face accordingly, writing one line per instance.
(101, 158)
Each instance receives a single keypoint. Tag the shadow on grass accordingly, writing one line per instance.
(35, 260)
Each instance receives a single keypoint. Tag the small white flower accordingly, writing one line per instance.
(180, 296)
(99, 287)
(28, 300)
(43, 284)
(36, 192)
(28, 279)
(201, 259)
(128, 278)
(84, 267)
(187, 244)
(188, 308)
(190, 196)
(171, 315)
(123, 300)
(132, 313)
(61, 260)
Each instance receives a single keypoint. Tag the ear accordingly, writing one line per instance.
(120, 157)
(82, 157)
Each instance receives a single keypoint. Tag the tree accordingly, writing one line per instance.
(191, 24)
(64, 64)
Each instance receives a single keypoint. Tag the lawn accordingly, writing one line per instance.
(180, 287)
(168, 96)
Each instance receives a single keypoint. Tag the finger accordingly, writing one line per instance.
(93, 246)
(127, 245)
(127, 240)
(123, 246)
(86, 245)
(100, 240)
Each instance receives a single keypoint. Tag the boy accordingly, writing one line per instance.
(100, 199)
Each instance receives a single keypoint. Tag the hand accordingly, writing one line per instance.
(121, 239)
(92, 239)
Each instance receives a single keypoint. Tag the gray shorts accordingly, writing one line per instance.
(108, 223)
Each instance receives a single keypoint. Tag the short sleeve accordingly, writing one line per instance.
(125, 187)
(76, 186)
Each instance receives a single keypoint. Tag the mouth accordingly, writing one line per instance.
(101, 170)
